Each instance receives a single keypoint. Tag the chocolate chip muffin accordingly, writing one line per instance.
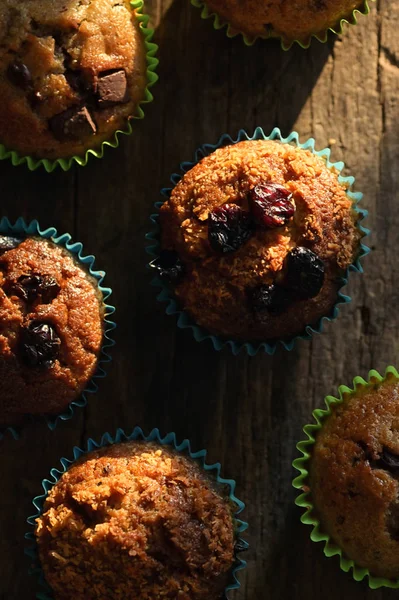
(51, 328)
(354, 476)
(293, 20)
(255, 239)
(71, 74)
(136, 520)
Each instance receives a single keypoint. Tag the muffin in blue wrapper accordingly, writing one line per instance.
(161, 506)
(56, 327)
(255, 241)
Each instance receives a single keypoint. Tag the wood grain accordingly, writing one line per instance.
(248, 412)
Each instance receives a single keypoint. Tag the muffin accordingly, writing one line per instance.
(136, 520)
(255, 240)
(51, 328)
(71, 74)
(353, 476)
(290, 21)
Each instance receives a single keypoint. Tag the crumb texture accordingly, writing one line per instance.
(135, 520)
(215, 288)
(354, 477)
(71, 73)
(289, 19)
(72, 307)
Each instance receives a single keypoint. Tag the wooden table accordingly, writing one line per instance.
(248, 412)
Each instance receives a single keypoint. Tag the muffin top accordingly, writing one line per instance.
(51, 327)
(261, 231)
(136, 520)
(71, 74)
(294, 20)
(354, 477)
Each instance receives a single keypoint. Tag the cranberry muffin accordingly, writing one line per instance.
(255, 240)
(136, 520)
(71, 74)
(290, 21)
(51, 328)
(353, 476)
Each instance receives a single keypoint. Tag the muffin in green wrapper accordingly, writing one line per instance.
(290, 22)
(350, 478)
(71, 77)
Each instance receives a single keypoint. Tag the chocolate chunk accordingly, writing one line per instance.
(112, 88)
(389, 462)
(35, 287)
(8, 243)
(73, 123)
(78, 81)
(19, 75)
(39, 345)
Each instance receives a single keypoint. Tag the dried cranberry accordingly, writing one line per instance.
(39, 345)
(304, 272)
(388, 461)
(272, 298)
(271, 205)
(229, 227)
(19, 75)
(34, 286)
(169, 266)
(8, 243)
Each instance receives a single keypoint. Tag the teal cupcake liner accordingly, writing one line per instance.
(66, 163)
(301, 482)
(231, 32)
(76, 248)
(184, 321)
(137, 434)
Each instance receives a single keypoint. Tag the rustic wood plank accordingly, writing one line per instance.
(248, 412)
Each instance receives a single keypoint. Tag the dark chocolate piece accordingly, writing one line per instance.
(39, 345)
(112, 88)
(19, 75)
(73, 123)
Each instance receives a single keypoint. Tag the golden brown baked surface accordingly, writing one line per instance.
(136, 520)
(354, 476)
(42, 370)
(215, 287)
(71, 74)
(289, 19)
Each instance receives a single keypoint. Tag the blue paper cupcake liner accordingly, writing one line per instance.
(75, 248)
(184, 321)
(137, 434)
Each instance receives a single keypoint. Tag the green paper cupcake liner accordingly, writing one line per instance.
(66, 163)
(76, 248)
(184, 321)
(137, 434)
(231, 32)
(301, 481)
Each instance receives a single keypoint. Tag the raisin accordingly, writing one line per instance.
(9, 243)
(304, 272)
(39, 345)
(272, 298)
(271, 205)
(34, 286)
(169, 266)
(229, 227)
(19, 75)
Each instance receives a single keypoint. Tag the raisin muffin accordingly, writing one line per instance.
(255, 238)
(51, 328)
(354, 476)
(71, 74)
(290, 21)
(136, 520)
